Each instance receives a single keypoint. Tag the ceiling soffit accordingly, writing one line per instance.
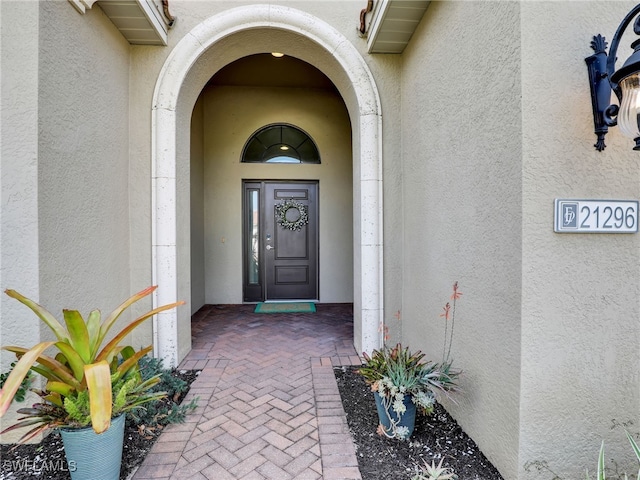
(393, 23)
(146, 22)
(141, 22)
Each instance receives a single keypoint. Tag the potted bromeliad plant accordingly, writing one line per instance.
(90, 385)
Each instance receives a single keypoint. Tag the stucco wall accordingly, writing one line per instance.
(580, 310)
(197, 208)
(231, 115)
(71, 71)
(83, 160)
(462, 164)
(19, 22)
(547, 327)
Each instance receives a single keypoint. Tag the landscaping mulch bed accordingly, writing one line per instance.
(46, 460)
(435, 437)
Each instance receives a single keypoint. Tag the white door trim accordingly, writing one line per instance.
(355, 83)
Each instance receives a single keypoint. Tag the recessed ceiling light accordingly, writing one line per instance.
(277, 54)
(284, 147)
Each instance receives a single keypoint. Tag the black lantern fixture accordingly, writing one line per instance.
(625, 83)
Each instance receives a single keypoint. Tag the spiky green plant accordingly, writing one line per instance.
(434, 472)
(395, 372)
(601, 473)
(85, 379)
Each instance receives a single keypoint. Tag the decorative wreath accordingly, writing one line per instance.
(291, 204)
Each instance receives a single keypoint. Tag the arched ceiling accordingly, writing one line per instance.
(263, 69)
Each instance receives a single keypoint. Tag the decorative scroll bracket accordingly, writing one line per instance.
(600, 91)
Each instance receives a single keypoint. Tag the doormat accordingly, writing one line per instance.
(286, 307)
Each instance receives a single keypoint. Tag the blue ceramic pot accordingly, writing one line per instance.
(92, 456)
(386, 415)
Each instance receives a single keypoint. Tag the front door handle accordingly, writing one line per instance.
(269, 247)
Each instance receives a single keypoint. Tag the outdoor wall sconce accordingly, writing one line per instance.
(625, 83)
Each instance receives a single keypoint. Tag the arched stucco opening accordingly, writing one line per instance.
(234, 34)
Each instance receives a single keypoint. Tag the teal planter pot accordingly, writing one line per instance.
(387, 415)
(92, 456)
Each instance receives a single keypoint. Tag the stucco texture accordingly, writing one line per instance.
(580, 312)
(547, 327)
(19, 176)
(83, 160)
(66, 164)
(462, 209)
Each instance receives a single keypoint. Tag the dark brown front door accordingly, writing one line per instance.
(280, 240)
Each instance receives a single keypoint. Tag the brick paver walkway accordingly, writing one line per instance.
(269, 406)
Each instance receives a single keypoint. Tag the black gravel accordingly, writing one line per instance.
(437, 436)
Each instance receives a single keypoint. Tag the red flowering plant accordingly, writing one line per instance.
(449, 315)
(449, 312)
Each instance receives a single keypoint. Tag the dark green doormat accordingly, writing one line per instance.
(286, 307)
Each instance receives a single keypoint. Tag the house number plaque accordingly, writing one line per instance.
(596, 216)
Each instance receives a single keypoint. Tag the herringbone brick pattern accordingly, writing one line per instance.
(269, 406)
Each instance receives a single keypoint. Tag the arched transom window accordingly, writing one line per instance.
(280, 143)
